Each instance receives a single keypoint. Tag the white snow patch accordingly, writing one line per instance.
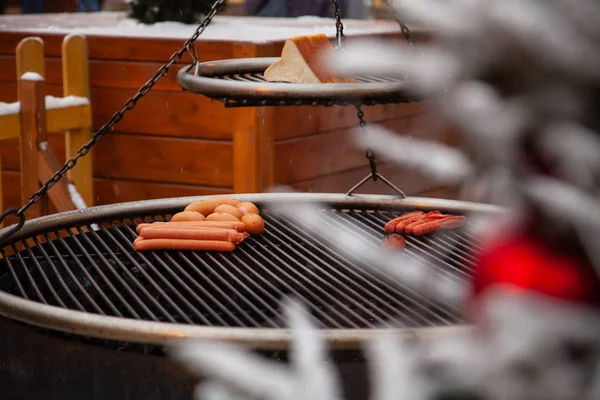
(76, 197)
(64, 102)
(222, 28)
(31, 76)
(9, 108)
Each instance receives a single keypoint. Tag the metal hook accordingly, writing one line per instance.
(374, 178)
(8, 232)
(191, 49)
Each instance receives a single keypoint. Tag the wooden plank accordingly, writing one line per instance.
(104, 47)
(309, 157)
(76, 83)
(180, 114)
(253, 139)
(10, 126)
(184, 114)
(58, 119)
(292, 122)
(112, 191)
(326, 153)
(73, 117)
(147, 158)
(59, 193)
(112, 73)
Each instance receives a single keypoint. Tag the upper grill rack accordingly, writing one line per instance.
(97, 271)
(240, 83)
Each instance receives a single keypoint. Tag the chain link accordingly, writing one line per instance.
(369, 154)
(188, 46)
(403, 28)
(339, 27)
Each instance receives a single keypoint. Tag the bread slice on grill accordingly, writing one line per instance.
(303, 60)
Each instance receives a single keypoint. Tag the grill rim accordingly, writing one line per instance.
(163, 333)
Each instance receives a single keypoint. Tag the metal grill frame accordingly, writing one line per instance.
(162, 333)
(239, 83)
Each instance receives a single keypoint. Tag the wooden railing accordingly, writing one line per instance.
(35, 114)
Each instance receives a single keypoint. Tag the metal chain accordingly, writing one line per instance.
(188, 46)
(403, 28)
(369, 154)
(339, 27)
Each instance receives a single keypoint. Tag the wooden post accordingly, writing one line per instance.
(30, 56)
(253, 137)
(32, 116)
(33, 123)
(76, 83)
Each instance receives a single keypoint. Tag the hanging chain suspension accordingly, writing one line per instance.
(403, 28)
(339, 27)
(374, 175)
(188, 46)
(370, 156)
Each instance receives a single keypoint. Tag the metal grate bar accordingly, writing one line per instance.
(57, 256)
(376, 232)
(259, 78)
(98, 270)
(268, 284)
(216, 267)
(168, 270)
(394, 300)
(35, 287)
(13, 274)
(427, 252)
(168, 316)
(115, 274)
(335, 295)
(124, 239)
(233, 304)
(293, 285)
(263, 292)
(58, 276)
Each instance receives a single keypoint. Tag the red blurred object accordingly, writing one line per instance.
(525, 263)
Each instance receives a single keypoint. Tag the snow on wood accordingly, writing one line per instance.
(51, 104)
(222, 28)
(9, 108)
(76, 197)
(31, 76)
(64, 102)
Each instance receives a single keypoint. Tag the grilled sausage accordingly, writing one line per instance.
(181, 244)
(226, 200)
(227, 209)
(166, 232)
(409, 229)
(404, 223)
(204, 207)
(222, 217)
(187, 216)
(393, 242)
(255, 225)
(390, 226)
(238, 226)
(449, 222)
(247, 208)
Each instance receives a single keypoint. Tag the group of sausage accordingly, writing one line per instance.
(216, 224)
(417, 223)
